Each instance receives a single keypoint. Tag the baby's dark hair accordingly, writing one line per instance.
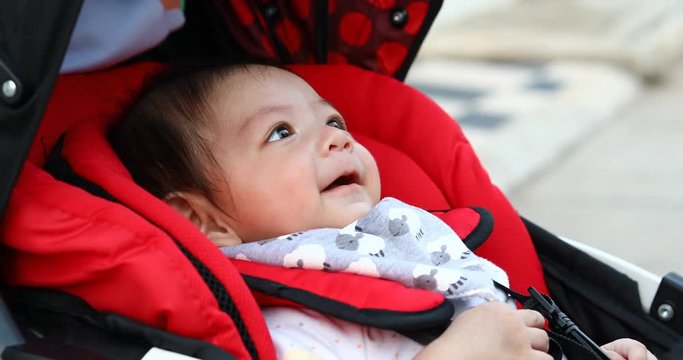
(162, 138)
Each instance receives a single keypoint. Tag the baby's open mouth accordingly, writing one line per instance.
(345, 179)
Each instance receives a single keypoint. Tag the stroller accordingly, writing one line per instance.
(189, 300)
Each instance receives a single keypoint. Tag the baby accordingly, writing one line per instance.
(252, 152)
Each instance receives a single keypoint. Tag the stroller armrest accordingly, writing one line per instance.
(668, 302)
(661, 297)
(647, 281)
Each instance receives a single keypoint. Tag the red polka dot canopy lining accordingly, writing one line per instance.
(379, 35)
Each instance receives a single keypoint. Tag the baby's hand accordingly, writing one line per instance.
(492, 331)
(627, 349)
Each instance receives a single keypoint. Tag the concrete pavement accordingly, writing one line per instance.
(520, 117)
(645, 37)
(583, 148)
(621, 188)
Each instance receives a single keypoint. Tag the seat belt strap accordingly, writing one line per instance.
(559, 322)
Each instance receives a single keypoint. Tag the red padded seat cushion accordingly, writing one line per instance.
(410, 132)
(422, 154)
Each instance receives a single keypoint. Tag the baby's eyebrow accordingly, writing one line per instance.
(263, 112)
(266, 110)
(325, 102)
(270, 109)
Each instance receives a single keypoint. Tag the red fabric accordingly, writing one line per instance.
(454, 219)
(355, 28)
(91, 156)
(390, 55)
(402, 176)
(416, 14)
(360, 291)
(359, 32)
(86, 96)
(394, 114)
(60, 237)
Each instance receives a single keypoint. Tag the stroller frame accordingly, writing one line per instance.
(625, 301)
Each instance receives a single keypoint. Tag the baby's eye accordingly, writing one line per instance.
(280, 132)
(336, 122)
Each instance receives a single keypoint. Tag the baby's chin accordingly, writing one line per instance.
(352, 213)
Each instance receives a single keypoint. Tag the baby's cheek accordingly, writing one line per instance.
(372, 178)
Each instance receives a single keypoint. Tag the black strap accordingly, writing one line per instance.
(563, 330)
(58, 325)
(271, 14)
(321, 30)
(58, 167)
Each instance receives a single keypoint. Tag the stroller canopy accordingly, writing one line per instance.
(77, 223)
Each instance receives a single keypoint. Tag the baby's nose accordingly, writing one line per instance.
(337, 140)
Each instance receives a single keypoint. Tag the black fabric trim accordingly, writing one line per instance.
(271, 23)
(555, 349)
(202, 21)
(225, 302)
(603, 302)
(425, 336)
(78, 331)
(380, 318)
(478, 236)
(571, 348)
(321, 30)
(62, 171)
(481, 233)
(434, 7)
(34, 37)
(676, 353)
(57, 166)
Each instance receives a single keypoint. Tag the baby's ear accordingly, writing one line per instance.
(205, 215)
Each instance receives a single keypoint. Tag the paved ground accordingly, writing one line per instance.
(584, 149)
(645, 37)
(621, 188)
(520, 117)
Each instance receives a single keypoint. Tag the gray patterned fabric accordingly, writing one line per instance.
(395, 241)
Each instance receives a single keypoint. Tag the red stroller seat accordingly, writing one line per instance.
(119, 253)
(112, 244)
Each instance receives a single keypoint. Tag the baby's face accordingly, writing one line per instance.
(289, 162)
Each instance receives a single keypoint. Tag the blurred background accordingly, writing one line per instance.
(575, 107)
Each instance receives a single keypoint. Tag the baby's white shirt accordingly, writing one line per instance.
(304, 334)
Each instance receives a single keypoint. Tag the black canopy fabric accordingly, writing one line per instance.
(34, 36)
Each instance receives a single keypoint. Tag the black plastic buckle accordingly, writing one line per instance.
(558, 321)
